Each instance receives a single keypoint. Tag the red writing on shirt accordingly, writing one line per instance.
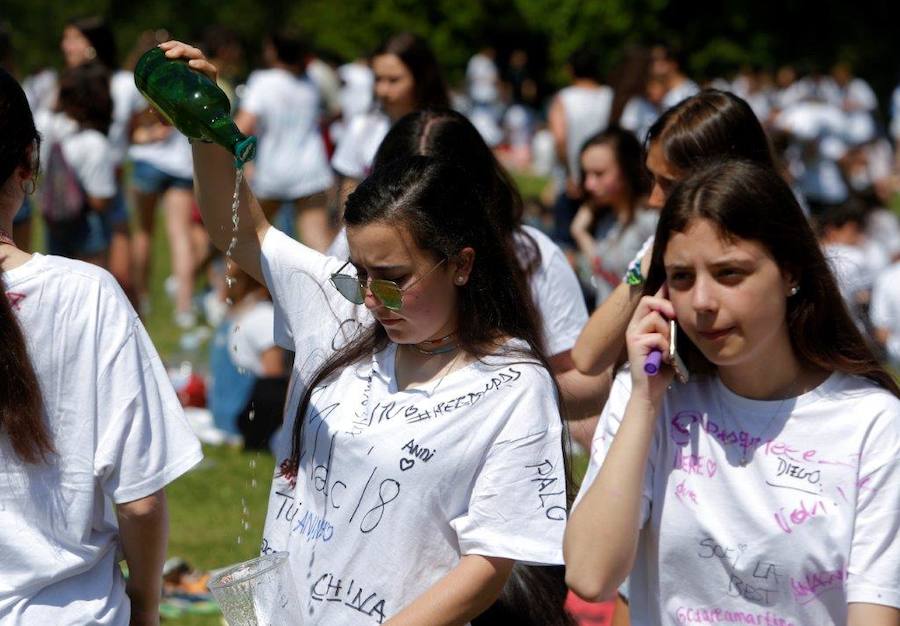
(15, 299)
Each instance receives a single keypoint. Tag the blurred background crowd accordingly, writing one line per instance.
(569, 126)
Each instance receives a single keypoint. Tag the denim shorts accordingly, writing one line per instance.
(86, 235)
(148, 178)
(117, 212)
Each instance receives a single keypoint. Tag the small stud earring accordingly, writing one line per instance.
(459, 280)
(794, 290)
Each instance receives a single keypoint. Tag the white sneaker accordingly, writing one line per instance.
(185, 320)
(170, 286)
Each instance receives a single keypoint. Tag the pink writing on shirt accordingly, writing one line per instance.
(717, 615)
(685, 493)
(799, 516)
(681, 431)
(814, 584)
(695, 464)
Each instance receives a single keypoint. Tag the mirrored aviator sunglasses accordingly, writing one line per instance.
(389, 293)
(354, 289)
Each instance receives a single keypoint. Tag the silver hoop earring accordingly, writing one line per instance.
(28, 186)
(90, 53)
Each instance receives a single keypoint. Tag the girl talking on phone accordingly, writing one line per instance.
(765, 490)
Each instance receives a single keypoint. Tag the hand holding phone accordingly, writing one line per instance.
(653, 362)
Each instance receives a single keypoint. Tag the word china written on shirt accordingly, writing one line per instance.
(385, 412)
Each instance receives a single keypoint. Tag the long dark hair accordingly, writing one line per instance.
(21, 404)
(97, 31)
(629, 80)
(428, 79)
(443, 213)
(629, 157)
(710, 124)
(745, 200)
(85, 97)
(448, 135)
(19, 139)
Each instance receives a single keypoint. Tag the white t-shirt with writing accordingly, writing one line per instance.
(554, 287)
(354, 154)
(119, 434)
(809, 525)
(395, 486)
(291, 161)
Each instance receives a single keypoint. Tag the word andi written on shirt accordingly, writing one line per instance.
(330, 588)
(415, 450)
(717, 615)
(385, 412)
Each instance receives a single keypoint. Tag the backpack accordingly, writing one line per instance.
(62, 196)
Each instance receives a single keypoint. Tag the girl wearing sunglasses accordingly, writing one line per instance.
(425, 454)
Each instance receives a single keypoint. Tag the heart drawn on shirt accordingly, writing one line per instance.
(711, 467)
(405, 464)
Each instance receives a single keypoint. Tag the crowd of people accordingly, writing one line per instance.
(416, 343)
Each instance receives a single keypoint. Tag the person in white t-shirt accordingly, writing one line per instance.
(712, 125)
(425, 453)
(75, 143)
(248, 381)
(90, 428)
(764, 489)
(281, 106)
(577, 111)
(91, 40)
(407, 78)
(884, 312)
(554, 287)
(668, 67)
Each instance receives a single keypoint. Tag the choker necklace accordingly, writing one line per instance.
(444, 350)
(5, 237)
(441, 345)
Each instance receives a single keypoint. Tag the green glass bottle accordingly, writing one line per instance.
(191, 102)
